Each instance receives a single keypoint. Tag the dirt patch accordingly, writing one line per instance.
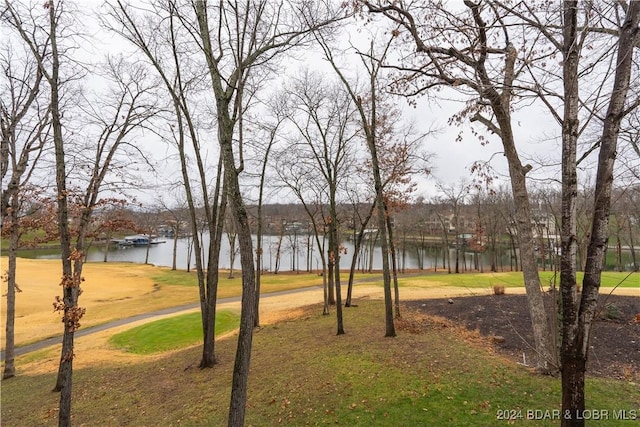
(504, 319)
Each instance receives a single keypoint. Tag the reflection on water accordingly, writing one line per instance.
(292, 252)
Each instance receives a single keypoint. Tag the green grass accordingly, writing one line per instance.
(511, 279)
(303, 374)
(269, 282)
(171, 333)
(609, 279)
(175, 277)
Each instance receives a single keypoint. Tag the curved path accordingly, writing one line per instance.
(171, 310)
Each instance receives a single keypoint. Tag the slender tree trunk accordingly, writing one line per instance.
(340, 320)
(279, 250)
(500, 103)
(106, 246)
(435, 259)
(446, 253)
(390, 330)
(357, 247)
(232, 253)
(226, 126)
(309, 251)
(67, 304)
(570, 358)
(394, 268)
(372, 246)
(334, 259)
(457, 268)
(618, 251)
(539, 320)
(325, 273)
(174, 258)
(9, 352)
(213, 276)
(632, 248)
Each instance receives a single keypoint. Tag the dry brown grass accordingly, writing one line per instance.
(116, 290)
(110, 291)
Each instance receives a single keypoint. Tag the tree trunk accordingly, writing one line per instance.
(435, 259)
(247, 317)
(446, 253)
(571, 359)
(339, 317)
(226, 126)
(106, 246)
(334, 259)
(67, 304)
(576, 335)
(394, 267)
(174, 257)
(148, 247)
(357, 246)
(618, 251)
(9, 352)
(212, 277)
(500, 103)
(232, 253)
(390, 330)
(372, 246)
(632, 247)
(278, 250)
(457, 268)
(539, 320)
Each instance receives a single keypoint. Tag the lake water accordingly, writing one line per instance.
(293, 255)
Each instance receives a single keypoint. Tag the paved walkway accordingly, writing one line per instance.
(98, 328)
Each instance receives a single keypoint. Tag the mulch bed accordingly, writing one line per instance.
(615, 337)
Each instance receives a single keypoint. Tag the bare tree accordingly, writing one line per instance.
(163, 35)
(572, 28)
(627, 221)
(480, 64)
(129, 107)
(307, 186)
(323, 118)
(400, 160)
(50, 69)
(266, 132)
(455, 197)
(246, 36)
(370, 119)
(176, 216)
(578, 314)
(362, 214)
(24, 126)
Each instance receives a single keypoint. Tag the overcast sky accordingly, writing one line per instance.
(453, 159)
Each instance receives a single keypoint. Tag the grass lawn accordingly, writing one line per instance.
(171, 333)
(303, 374)
(116, 290)
(487, 280)
(269, 282)
(110, 291)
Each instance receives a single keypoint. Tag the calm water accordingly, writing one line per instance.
(293, 253)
